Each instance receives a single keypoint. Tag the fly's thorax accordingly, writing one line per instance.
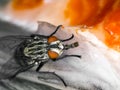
(36, 49)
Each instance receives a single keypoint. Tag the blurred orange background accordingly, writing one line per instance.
(102, 15)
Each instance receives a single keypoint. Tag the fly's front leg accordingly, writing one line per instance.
(65, 56)
(55, 31)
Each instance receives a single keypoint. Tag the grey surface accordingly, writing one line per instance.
(3, 2)
(18, 84)
(21, 84)
(7, 28)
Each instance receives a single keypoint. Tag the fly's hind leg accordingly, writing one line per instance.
(40, 66)
(53, 73)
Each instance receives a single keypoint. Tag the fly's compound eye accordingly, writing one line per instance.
(53, 55)
(52, 39)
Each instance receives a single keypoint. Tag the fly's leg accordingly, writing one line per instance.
(54, 75)
(40, 66)
(65, 56)
(68, 38)
(59, 78)
(55, 31)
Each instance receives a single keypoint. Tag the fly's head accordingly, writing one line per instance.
(56, 47)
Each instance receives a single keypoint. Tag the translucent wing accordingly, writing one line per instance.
(10, 69)
(8, 65)
(9, 43)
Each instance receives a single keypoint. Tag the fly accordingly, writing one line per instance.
(28, 51)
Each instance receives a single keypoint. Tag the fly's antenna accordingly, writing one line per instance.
(55, 30)
(73, 45)
(68, 38)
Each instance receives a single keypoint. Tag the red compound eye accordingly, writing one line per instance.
(52, 54)
(52, 39)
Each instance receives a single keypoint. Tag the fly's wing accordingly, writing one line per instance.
(9, 43)
(8, 65)
(8, 69)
